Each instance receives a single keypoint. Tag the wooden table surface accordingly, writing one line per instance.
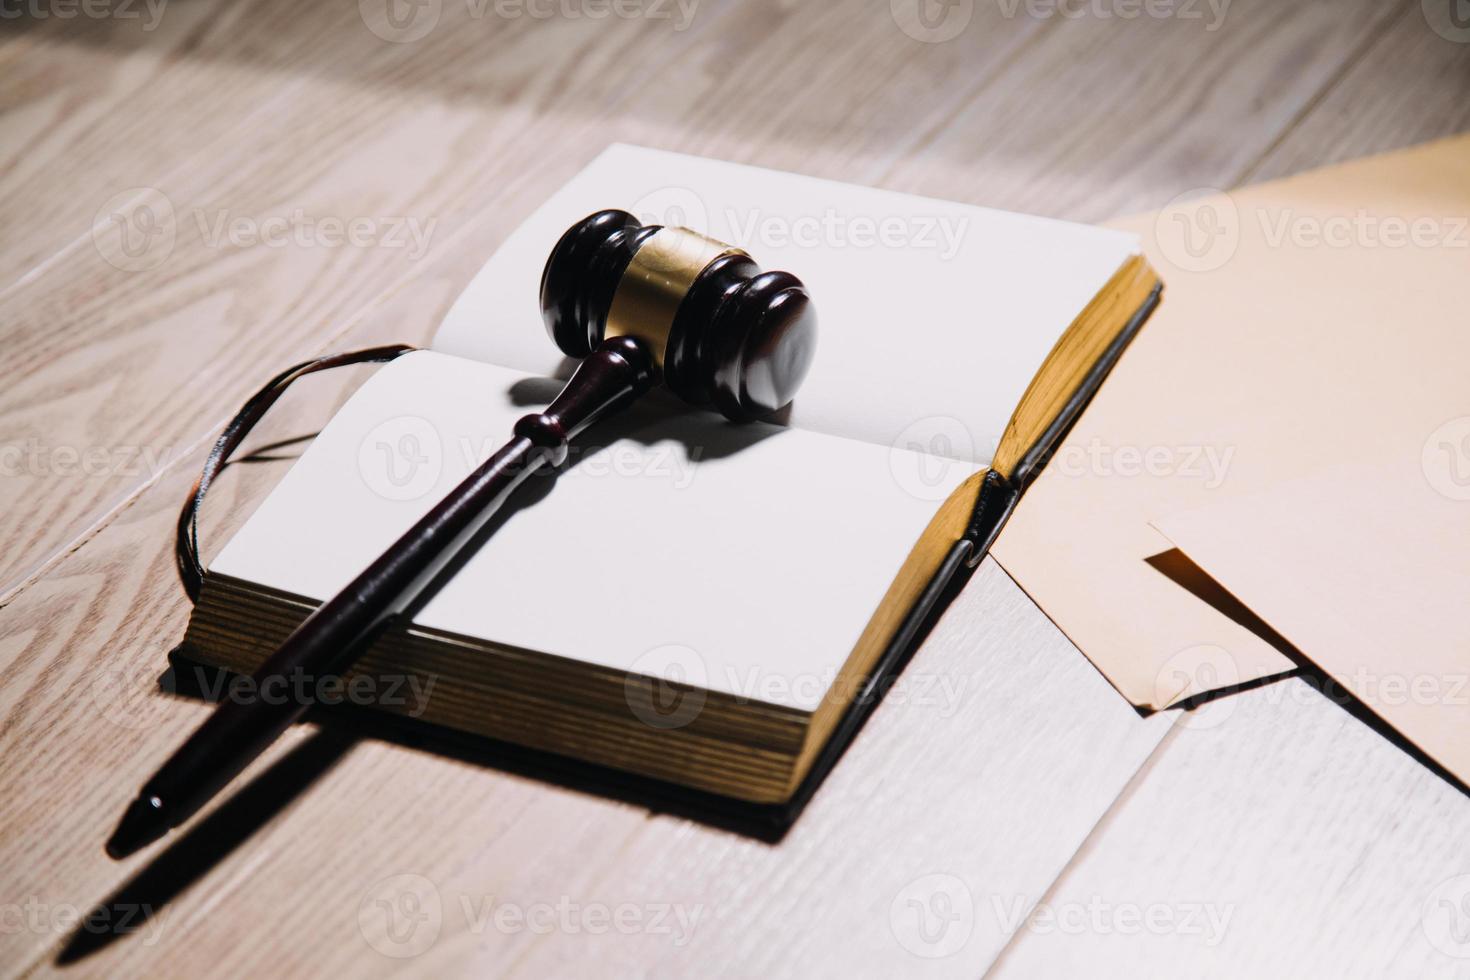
(1267, 834)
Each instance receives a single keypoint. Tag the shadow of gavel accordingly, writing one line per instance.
(635, 304)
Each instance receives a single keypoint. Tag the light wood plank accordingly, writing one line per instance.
(93, 108)
(1110, 116)
(1408, 88)
(1322, 848)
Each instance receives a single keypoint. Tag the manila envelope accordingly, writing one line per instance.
(1365, 568)
(1312, 324)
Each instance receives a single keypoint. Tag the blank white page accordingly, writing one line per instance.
(762, 550)
(933, 316)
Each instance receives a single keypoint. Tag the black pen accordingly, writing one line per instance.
(335, 634)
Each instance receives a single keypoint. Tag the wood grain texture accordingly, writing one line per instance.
(1275, 836)
(271, 107)
(1407, 87)
(68, 143)
(1108, 116)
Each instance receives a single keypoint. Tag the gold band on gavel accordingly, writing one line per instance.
(656, 281)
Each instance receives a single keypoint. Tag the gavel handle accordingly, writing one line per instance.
(333, 636)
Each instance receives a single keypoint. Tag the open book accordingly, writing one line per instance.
(690, 600)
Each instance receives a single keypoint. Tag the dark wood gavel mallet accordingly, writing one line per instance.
(635, 304)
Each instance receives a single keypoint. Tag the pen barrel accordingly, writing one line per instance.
(335, 634)
(338, 631)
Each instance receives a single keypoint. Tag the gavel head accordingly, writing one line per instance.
(724, 333)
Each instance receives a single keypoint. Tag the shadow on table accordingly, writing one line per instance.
(192, 854)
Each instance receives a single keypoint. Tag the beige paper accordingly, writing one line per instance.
(1307, 323)
(1366, 569)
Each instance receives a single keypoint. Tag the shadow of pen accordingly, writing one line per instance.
(142, 898)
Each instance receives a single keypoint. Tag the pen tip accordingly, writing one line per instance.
(142, 824)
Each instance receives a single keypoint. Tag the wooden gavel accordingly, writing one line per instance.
(720, 331)
(635, 304)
